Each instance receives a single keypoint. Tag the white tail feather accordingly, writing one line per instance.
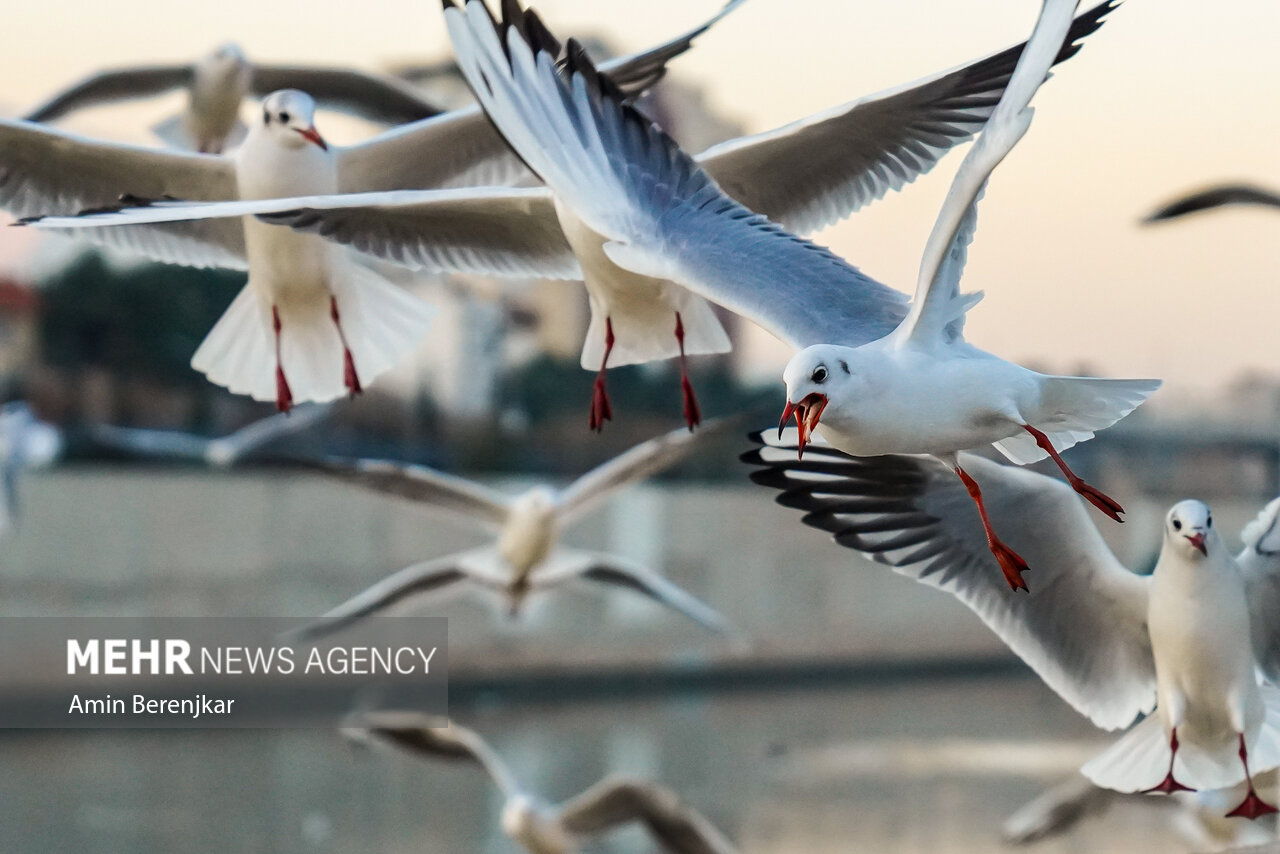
(381, 321)
(1074, 409)
(1140, 759)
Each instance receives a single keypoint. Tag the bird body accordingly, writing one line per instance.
(529, 532)
(211, 122)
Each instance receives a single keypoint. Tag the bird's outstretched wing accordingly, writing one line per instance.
(1083, 630)
(483, 230)
(48, 171)
(635, 464)
(629, 181)
(114, 84)
(816, 171)
(1059, 810)
(413, 586)
(461, 147)
(430, 737)
(1259, 560)
(937, 309)
(674, 825)
(566, 564)
(377, 97)
(1214, 197)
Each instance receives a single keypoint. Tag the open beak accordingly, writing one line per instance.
(1197, 540)
(313, 135)
(807, 413)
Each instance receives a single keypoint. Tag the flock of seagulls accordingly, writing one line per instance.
(557, 172)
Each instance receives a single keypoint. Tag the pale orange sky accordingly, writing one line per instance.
(1169, 95)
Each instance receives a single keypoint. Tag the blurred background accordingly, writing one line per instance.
(869, 713)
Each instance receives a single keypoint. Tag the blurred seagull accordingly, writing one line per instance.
(216, 85)
(526, 558)
(1214, 197)
(26, 443)
(805, 175)
(219, 452)
(311, 325)
(542, 828)
(1113, 644)
(890, 377)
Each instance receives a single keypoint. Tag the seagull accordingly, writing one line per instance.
(526, 557)
(216, 85)
(1214, 197)
(805, 175)
(1175, 646)
(544, 828)
(890, 377)
(26, 443)
(219, 452)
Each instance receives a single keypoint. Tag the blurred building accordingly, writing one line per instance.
(19, 312)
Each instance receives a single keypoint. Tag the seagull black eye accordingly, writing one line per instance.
(1209, 522)
(284, 118)
(1177, 524)
(266, 117)
(819, 374)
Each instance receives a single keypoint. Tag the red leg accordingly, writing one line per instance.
(1094, 496)
(601, 411)
(1252, 806)
(284, 397)
(1011, 563)
(1169, 785)
(692, 415)
(349, 376)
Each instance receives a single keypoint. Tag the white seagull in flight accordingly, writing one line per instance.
(1186, 642)
(219, 82)
(889, 377)
(805, 176)
(526, 557)
(538, 827)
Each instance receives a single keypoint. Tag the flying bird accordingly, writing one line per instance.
(1214, 197)
(889, 376)
(538, 827)
(219, 82)
(26, 443)
(526, 557)
(805, 175)
(1181, 646)
(218, 452)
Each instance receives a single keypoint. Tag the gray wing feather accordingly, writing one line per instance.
(814, 172)
(1082, 628)
(422, 484)
(377, 97)
(48, 171)
(117, 84)
(677, 827)
(613, 570)
(1235, 194)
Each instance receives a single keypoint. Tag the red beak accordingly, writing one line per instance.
(313, 135)
(807, 413)
(1197, 540)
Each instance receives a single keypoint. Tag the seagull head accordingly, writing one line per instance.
(813, 377)
(229, 55)
(227, 66)
(290, 117)
(1189, 526)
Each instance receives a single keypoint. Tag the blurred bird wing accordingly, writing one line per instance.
(814, 172)
(433, 738)
(636, 72)
(676, 826)
(376, 97)
(662, 215)
(115, 84)
(422, 484)
(409, 589)
(496, 231)
(635, 464)
(166, 444)
(236, 446)
(566, 564)
(1233, 194)
(1083, 628)
(1058, 810)
(48, 171)
(937, 309)
(1259, 560)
